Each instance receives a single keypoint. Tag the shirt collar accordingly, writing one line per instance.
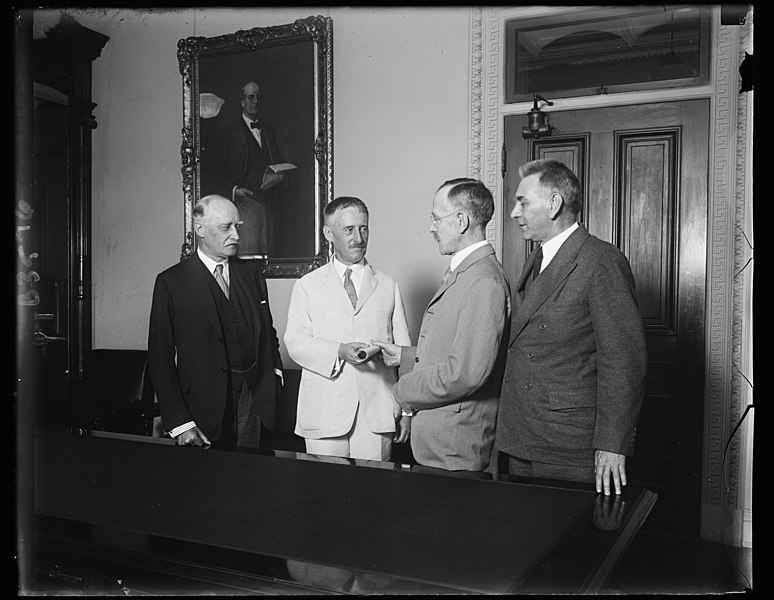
(551, 247)
(461, 255)
(340, 267)
(210, 264)
(247, 120)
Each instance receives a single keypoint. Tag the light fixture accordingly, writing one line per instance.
(537, 120)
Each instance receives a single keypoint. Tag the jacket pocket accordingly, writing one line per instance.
(572, 398)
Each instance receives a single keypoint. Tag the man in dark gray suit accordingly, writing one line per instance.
(575, 374)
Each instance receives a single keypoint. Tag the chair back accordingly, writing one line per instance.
(117, 394)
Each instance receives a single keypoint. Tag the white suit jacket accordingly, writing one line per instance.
(320, 317)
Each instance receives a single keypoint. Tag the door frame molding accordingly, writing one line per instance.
(726, 514)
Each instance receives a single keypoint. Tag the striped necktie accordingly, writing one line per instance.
(350, 287)
(220, 279)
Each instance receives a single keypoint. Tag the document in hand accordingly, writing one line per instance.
(274, 175)
(282, 167)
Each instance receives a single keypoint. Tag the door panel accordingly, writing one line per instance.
(644, 173)
(52, 221)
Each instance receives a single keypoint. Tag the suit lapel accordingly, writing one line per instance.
(474, 257)
(249, 289)
(541, 289)
(335, 284)
(199, 289)
(368, 284)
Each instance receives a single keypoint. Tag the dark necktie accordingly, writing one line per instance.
(220, 279)
(255, 125)
(537, 264)
(350, 287)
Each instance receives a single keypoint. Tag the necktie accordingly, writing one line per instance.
(255, 125)
(537, 264)
(220, 279)
(350, 287)
(446, 275)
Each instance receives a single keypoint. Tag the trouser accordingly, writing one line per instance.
(241, 422)
(359, 442)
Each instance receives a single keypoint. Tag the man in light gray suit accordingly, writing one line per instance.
(575, 375)
(450, 381)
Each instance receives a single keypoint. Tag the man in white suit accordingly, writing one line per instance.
(345, 402)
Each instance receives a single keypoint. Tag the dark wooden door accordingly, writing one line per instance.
(61, 215)
(51, 221)
(644, 172)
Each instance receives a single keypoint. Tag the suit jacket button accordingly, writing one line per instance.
(510, 350)
(223, 369)
(530, 355)
(528, 386)
(506, 379)
(543, 326)
(416, 359)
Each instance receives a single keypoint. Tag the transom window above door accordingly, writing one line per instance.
(599, 50)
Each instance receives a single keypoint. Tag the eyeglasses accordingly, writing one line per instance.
(434, 220)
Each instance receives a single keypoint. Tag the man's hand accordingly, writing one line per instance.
(243, 194)
(348, 352)
(609, 465)
(390, 353)
(403, 433)
(192, 437)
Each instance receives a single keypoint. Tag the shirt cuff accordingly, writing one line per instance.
(182, 429)
(337, 367)
(278, 373)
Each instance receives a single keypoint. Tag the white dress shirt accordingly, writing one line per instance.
(461, 255)
(551, 247)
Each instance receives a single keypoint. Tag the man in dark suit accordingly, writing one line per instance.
(213, 352)
(239, 163)
(575, 375)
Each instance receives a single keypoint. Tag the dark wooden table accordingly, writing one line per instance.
(164, 519)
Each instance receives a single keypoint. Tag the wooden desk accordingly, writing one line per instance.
(216, 522)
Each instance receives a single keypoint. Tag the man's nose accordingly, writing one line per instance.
(358, 237)
(516, 212)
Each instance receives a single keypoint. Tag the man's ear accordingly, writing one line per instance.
(327, 233)
(557, 203)
(464, 222)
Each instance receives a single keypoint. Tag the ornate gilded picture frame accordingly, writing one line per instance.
(258, 129)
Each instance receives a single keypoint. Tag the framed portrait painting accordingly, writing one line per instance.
(258, 125)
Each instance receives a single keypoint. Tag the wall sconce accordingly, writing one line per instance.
(538, 125)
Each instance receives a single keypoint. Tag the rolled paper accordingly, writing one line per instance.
(367, 352)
